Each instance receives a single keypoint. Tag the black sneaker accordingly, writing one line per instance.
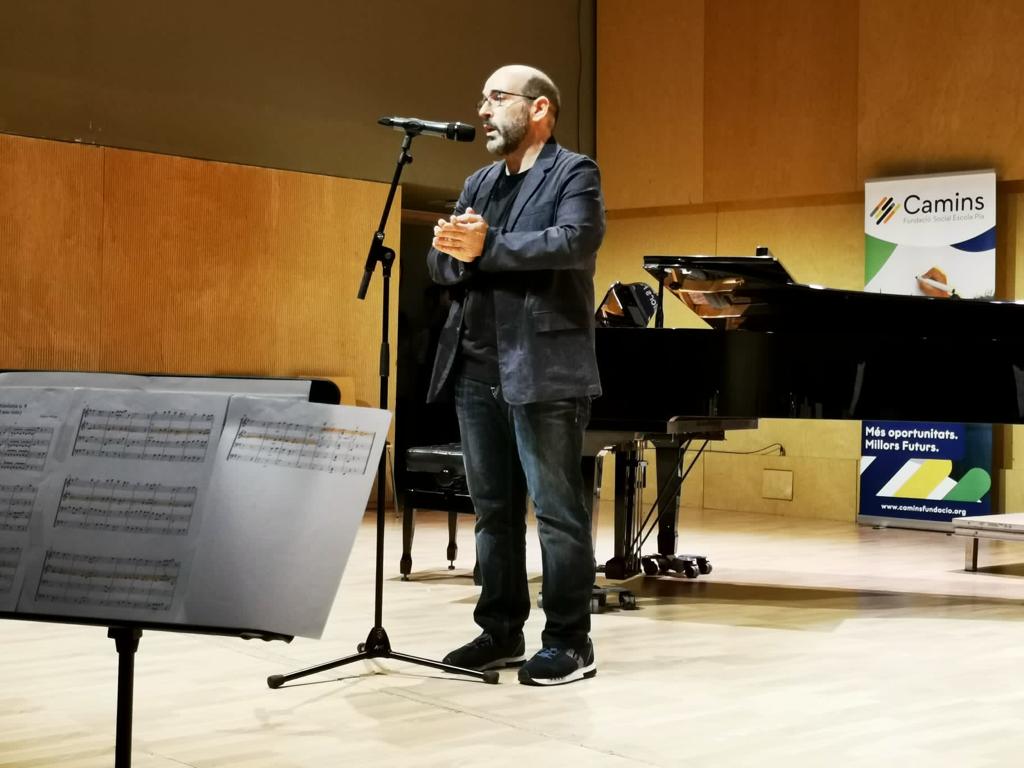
(557, 666)
(484, 653)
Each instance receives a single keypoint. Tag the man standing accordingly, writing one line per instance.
(518, 352)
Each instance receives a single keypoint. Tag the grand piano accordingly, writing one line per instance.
(780, 349)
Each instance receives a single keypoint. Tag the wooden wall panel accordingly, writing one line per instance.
(824, 489)
(1009, 255)
(1009, 245)
(940, 88)
(216, 268)
(323, 232)
(188, 254)
(650, 103)
(838, 438)
(127, 261)
(822, 244)
(50, 214)
(803, 98)
(814, 452)
(780, 98)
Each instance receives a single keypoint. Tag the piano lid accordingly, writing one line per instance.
(722, 290)
(756, 293)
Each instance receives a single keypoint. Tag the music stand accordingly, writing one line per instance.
(629, 305)
(125, 633)
(378, 645)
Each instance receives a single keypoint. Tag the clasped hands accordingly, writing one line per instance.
(462, 236)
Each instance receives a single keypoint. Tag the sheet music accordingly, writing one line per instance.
(30, 424)
(25, 448)
(9, 560)
(17, 502)
(168, 435)
(178, 507)
(290, 489)
(123, 487)
(319, 447)
(96, 583)
(122, 506)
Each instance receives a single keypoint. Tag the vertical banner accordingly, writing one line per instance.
(928, 236)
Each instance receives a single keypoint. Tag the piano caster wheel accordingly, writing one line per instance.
(616, 569)
(361, 647)
(595, 604)
(700, 562)
(680, 565)
(627, 601)
(656, 564)
(691, 568)
(540, 601)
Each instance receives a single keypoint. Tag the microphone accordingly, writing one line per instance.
(414, 127)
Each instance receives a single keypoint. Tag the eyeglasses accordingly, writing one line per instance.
(497, 99)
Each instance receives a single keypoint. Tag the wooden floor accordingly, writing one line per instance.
(811, 643)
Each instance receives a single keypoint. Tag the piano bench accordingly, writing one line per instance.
(1003, 527)
(435, 478)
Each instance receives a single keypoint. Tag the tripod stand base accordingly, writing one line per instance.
(378, 646)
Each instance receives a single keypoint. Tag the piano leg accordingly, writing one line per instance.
(593, 474)
(668, 465)
(629, 481)
(672, 472)
(633, 527)
(593, 470)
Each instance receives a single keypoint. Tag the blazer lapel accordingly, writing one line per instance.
(533, 181)
(483, 192)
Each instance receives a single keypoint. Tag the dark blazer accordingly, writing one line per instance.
(544, 294)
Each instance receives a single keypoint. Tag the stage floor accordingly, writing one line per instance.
(812, 643)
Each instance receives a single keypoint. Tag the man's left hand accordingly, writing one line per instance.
(461, 237)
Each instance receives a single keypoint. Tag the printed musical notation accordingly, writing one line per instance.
(177, 436)
(125, 507)
(24, 448)
(323, 447)
(111, 582)
(9, 558)
(16, 503)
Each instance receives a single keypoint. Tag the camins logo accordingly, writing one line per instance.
(956, 208)
(885, 210)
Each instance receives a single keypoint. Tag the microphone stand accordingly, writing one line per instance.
(377, 645)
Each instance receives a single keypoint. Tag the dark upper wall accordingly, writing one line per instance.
(296, 85)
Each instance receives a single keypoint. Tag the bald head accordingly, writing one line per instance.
(520, 78)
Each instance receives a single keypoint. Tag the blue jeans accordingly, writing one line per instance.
(515, 451)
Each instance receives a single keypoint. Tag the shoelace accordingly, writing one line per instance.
(550, 653)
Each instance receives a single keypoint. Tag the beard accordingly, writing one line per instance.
(508, 138)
